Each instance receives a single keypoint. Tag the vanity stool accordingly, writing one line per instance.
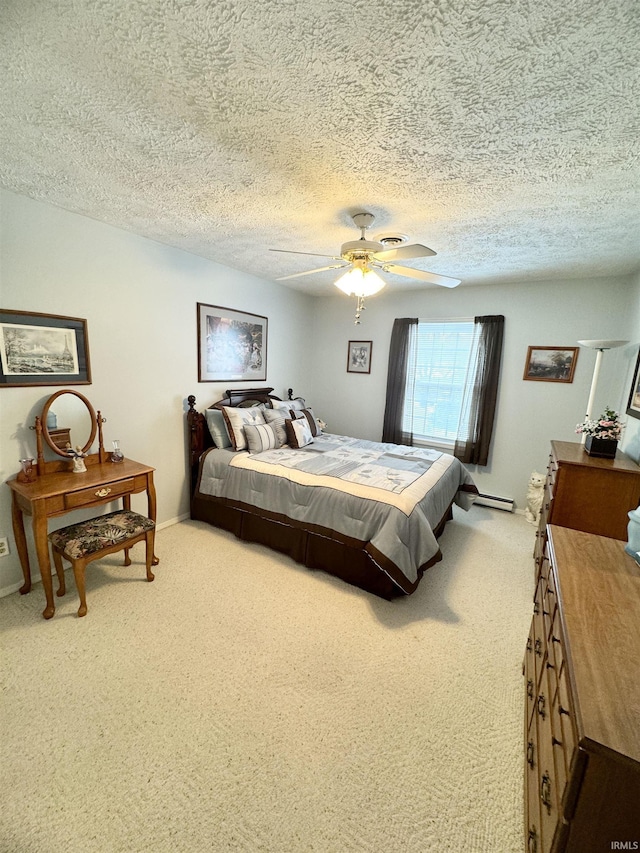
(89, 540)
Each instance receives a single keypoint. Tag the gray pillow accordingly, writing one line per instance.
(217, 428)
(275, 417)
(261, 437)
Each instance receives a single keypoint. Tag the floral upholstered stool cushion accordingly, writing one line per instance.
(89, 540)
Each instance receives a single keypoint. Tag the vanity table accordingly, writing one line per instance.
(56, 490)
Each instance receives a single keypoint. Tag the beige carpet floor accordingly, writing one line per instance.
(244, 703)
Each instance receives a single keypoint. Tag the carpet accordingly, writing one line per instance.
(242, 702)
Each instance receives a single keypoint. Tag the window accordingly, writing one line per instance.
(442, 384)
(436, 377)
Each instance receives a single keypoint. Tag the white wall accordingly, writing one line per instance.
(139, 299)
(529, 414)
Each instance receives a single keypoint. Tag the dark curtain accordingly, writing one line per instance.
(401, 338)
(479, 404)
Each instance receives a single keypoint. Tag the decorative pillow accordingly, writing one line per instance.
(298, 432)
(296, 405)
(261, 437)
(281, 404)
(217, 428)
(275, 418)
(313, 422)
(236, 419)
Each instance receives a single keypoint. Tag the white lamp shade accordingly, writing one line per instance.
(603, 344)
(358, 282)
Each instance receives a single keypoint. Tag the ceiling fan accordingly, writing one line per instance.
(362, 258)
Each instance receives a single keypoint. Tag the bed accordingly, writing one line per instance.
(366, 512)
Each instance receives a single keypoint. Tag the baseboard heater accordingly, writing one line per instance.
(495, 501)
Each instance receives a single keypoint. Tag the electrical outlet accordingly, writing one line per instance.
(4, 546)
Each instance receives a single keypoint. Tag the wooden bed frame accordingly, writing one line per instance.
(314, 546)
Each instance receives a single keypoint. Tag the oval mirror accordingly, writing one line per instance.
(68, 418)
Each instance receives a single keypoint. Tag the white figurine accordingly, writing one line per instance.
(535, 496)
(78, 459)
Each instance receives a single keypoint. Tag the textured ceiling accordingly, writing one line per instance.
(502, 134)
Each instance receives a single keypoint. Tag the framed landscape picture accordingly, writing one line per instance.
(232, 345)
(359, 357)
(43, 349)
(551, 364)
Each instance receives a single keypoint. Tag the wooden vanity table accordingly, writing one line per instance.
(57, 490)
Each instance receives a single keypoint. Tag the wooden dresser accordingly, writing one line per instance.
(587, 493)
(582, 698)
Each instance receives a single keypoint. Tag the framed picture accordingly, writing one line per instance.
(232, 345)
(359, 357)
(551, 364)
(633, 407)
(43, 349)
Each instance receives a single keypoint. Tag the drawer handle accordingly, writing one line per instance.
(530, 754)
(545, 792)
(102, 493)
(530, 689)
(542, 705)
(532, 841)
(562, 710)
(529, 645)
(536, 608)
(539, 647)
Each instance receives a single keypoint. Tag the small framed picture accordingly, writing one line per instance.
(43, 349)
(633, 407)
(359, 357)
(551, 364)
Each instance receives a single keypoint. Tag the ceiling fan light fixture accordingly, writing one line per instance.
(360, 282)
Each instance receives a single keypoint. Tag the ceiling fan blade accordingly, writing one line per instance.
(404, 253)
(422, 275)
(315, 254)
(310, 272)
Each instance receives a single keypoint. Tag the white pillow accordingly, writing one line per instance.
(236, 419)
(298, 432)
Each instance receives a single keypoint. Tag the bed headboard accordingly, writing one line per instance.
(199, 437)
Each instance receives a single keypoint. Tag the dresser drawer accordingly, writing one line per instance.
(530, 686)
(564, 719)
(533, 837)
(96, 494)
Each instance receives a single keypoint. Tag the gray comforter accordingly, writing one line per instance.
(385, 495)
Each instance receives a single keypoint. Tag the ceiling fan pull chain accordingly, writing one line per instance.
(359, 309)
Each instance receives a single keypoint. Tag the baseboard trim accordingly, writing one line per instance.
(495, 502)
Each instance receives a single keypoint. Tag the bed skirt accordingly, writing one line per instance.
(314, 547)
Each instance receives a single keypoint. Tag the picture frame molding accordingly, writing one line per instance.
(206, 344)
(632, 410)
(75, 344)
(366, 366)
(566, 379)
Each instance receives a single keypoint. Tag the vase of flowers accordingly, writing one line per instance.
(602, 434)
